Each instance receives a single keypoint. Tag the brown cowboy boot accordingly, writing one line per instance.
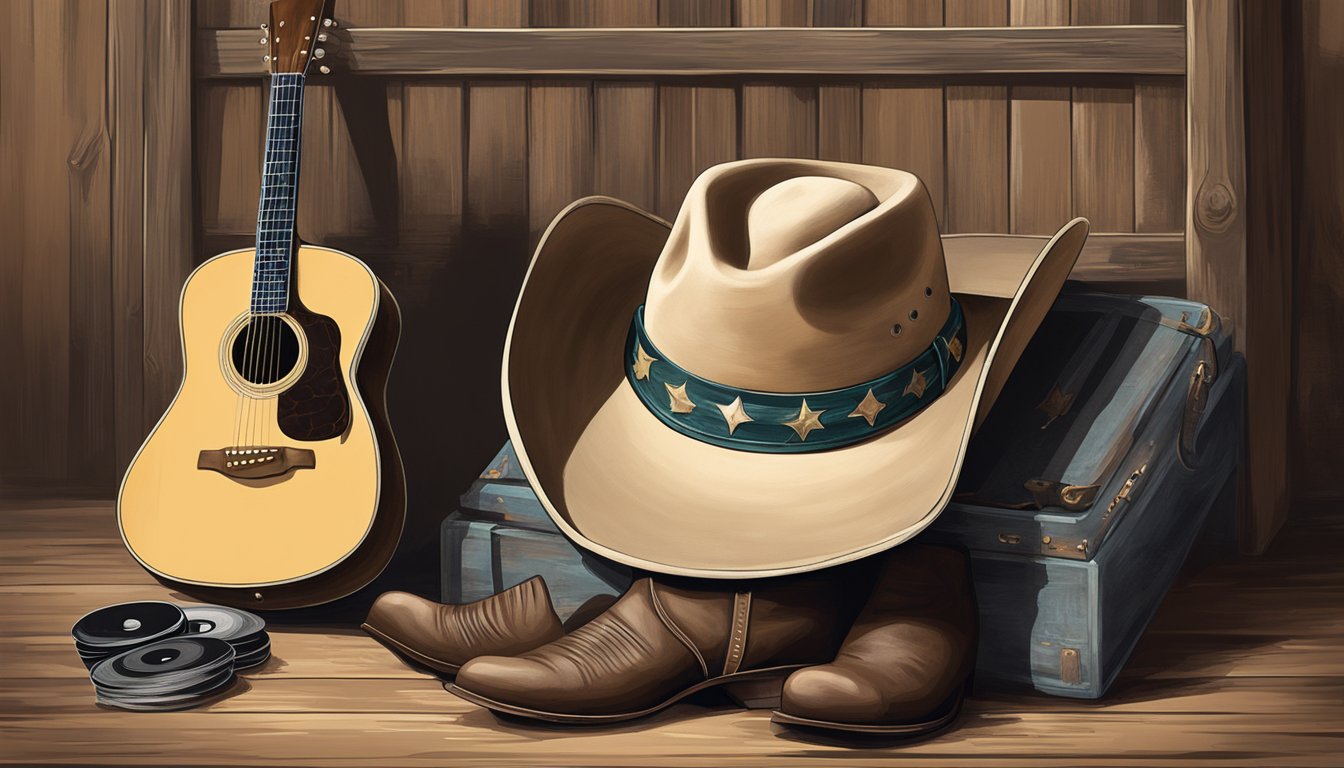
(660, 643)
(906, 663)
(444, 637)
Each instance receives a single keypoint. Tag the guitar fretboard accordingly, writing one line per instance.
(279, 195)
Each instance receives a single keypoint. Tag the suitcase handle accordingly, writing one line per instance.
(1196, 401)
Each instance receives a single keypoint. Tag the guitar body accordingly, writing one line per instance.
(277, 484)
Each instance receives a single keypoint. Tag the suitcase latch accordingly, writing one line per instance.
(1196, 401)
(1050, 493)
(1126, 490)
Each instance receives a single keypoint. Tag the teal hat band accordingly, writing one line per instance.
(768, 422)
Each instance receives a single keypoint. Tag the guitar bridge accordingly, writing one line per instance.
(256, 463)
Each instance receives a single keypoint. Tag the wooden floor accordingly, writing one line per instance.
(1244, 665)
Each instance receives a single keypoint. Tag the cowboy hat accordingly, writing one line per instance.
(783, 380)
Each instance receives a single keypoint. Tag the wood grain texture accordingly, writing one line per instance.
(1318, 263)
(1103, 137)
(1241, 666)
(697, 129)
(1120, 49)
(903, 128)
(1159, 156)
(1040, 137)
(560, 149)
(125, 107)
(977, 158)
(777, 120)
(168, 220)
(697, 124)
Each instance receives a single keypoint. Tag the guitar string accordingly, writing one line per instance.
(295, 118)
(291, 116)
(261, 294)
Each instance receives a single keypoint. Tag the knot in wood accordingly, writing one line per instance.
(1216, 208)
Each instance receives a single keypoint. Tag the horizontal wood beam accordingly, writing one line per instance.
(658, 52)
(1122, 262)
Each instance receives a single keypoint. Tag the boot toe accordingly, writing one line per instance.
(831, 692)
(405, 618)
(505, 679)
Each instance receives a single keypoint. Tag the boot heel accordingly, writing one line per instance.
(757, 692)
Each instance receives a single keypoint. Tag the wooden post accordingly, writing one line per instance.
(149, 122)
(1216, 255)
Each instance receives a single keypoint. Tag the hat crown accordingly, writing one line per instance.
(799, 276)
(797, 212)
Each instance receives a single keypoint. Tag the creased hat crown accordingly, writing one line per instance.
(798, 276)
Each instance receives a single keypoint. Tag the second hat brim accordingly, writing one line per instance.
(621, 484)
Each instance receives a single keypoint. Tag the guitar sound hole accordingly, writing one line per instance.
(265, 350)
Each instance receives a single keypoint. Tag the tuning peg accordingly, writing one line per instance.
(266, 57)
(263, 25)
(328, 22)
(318, 53)
(324, 69)
(263, 41)
(322, 37)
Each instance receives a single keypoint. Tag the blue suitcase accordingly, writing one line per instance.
(501, 536)
(1113, 445)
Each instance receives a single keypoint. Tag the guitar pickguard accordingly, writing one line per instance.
(317, 406)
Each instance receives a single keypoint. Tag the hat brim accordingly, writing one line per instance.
(621, 484)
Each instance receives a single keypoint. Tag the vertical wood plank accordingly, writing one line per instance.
(625, 116)
(44, 401)
(903, 13)
(1040, 137)
(230, 121)
(560, 154)
(840, 123)
(225, 14)
(90, 438)
(977, 135)
(1103, 137)
(1159, 156)
(1319, 255)
(125, 106)
(1270, 203)
(17, 156)
(594, 13)
(777, 120)
(625, 143)
(839, 105)
(695, 13)
(774, 13)
(1215, 223)
(1159, 135)
(697, 128)
(1103, 157)
(697, 125)
(903, 127)
(168, 222)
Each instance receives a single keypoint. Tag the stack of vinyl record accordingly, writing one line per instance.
(154, 655)
(116, 629)
(176, 673)
(246, 632)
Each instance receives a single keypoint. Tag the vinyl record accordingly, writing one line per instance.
(191, 697)
(246, 632)
(253, 658)
(166, 667)
(116, 628)
(224, 623)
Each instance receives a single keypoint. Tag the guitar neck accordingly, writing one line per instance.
(278, 205)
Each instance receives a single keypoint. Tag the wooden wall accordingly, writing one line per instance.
(443, 185)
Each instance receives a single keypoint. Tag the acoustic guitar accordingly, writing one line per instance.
(273, 480)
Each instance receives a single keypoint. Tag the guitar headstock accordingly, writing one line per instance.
(296, 35)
